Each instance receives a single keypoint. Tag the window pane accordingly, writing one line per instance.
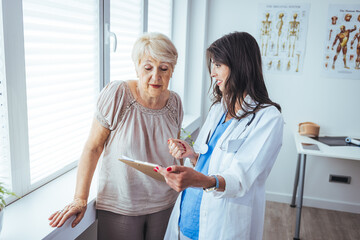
(126, 23)
(5, 171)
(160, 16)
(62, 79)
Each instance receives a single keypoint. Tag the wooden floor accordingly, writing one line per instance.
(316, 224)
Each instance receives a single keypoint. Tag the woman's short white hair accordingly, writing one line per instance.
(155, 45)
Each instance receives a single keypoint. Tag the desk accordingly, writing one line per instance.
(344, 152)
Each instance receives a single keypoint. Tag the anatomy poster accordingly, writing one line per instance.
(282, 30)
(342, 42)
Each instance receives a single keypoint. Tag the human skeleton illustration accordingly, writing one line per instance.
(293, 34)
(265, 34)
(281, 35)
(279, 26)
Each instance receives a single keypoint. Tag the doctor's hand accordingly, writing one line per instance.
(181, 149)
(77, 207)
(180, 177)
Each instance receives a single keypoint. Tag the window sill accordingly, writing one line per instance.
(27, 218)
(191, 122)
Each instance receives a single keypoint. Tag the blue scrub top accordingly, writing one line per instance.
(191, 197)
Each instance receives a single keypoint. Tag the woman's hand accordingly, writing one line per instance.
(181, 149)
(180, 177)
(77, 207)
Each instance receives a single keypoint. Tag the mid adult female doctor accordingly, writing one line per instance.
(224, 195)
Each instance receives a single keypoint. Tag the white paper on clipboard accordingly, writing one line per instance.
(144, 167)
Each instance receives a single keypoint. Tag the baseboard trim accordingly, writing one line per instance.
(316, 202)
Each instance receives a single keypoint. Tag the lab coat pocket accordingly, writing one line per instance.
(237, 223)
(235, 144)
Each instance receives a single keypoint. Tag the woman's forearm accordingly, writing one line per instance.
(86, 169)
(89, 159)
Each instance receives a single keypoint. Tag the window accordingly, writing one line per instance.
(62, 80)
(160, 16)
(52, 59)
(125, 27)
(54, 56)
(5, 170)
(127, 22)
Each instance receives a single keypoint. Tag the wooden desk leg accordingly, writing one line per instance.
(296, 181)
(300, 197)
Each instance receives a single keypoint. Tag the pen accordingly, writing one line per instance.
(352, 140)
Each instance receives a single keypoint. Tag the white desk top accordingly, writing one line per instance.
(345, 152)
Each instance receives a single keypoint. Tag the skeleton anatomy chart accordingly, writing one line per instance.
(342, 42)
(281, 37)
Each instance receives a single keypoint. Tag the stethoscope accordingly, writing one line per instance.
(205, 147)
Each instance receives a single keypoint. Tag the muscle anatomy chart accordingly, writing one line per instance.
(342, 42)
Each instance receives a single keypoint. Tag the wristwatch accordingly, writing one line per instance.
(214, 188)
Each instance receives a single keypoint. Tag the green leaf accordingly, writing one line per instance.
(4, 192)
(2, 203)
(187, 137)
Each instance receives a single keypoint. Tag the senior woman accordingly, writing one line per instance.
(134, 118)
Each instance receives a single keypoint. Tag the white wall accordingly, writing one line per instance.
(331, 103)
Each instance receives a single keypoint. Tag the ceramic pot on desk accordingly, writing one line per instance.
(309, 129)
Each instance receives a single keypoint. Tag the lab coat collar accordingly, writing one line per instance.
(247, 99)
(233, 124)
(219, 113)
(250, 102)
(216, 118)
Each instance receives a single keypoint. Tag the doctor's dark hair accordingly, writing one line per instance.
(240, 52)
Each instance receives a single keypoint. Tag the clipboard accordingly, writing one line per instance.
(144, 167)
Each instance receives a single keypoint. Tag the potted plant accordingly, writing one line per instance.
(187, 137)
(3, 193)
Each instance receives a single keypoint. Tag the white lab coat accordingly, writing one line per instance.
(244, 160)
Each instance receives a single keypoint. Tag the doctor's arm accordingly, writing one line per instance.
(255, 157)
(181, 177)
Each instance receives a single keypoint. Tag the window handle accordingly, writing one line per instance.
(108, 36)
(113, 35)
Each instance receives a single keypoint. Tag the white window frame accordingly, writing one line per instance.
(16, 95)
(190, 77)
(17, 101)
(187, 79)
(16, 89)
(190, 72)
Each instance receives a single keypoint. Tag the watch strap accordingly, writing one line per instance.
(214, 187)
